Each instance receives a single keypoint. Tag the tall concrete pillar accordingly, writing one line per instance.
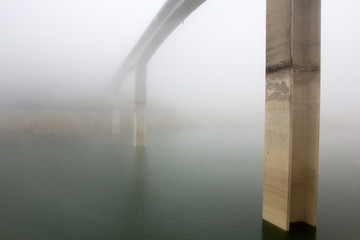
(292, 112)
(140, 106)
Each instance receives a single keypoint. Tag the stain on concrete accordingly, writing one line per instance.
(281, 65)
(277, 91)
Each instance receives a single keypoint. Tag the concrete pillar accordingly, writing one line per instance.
(292, 112)
(140, 106)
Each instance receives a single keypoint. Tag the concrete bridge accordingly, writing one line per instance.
(292, 101)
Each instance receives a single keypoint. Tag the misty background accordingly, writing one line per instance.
(58, 55)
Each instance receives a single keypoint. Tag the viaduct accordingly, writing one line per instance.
(292, 101)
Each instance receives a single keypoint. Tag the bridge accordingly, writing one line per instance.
(292, 105)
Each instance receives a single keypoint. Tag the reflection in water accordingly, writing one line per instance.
(298, 231)
(137, 212)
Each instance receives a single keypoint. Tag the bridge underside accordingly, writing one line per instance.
(292, 101)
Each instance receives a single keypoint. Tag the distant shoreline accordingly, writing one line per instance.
(62, 120)
(99, 120)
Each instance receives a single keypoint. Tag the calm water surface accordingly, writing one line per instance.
(186, 184)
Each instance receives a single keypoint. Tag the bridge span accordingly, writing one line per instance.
(292, 101)
(171, 14)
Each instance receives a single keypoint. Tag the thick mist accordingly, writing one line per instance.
(211, 70)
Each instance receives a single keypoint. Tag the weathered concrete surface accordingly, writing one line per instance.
(140, 106)
(278, 148)
(292, 112)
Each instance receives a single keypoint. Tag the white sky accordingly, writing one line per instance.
(65, 51)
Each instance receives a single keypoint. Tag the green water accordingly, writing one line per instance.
(188, 184)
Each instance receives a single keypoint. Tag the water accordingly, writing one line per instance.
(186, 184)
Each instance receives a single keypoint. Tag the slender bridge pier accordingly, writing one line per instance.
(291, 149)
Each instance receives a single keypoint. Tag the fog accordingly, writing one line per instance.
(212, 67)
